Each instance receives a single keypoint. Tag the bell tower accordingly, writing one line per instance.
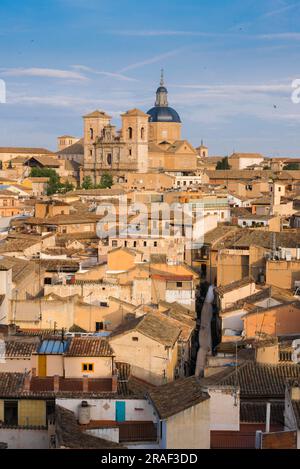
(94, 124)
(135, 135)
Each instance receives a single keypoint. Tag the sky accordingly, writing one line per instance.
(229, 67)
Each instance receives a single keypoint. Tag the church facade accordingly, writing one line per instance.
(146, 142)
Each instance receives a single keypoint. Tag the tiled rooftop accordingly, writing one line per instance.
(89, 347)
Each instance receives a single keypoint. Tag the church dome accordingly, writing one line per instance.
(161, 112)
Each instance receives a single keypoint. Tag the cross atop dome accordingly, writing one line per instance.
(161, 112)
(162, 77)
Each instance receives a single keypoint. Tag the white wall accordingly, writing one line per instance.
(105, 409)
(233, 320)
(20, 438)
(230, 297)
(224, 414)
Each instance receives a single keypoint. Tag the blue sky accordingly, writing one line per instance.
(229, 65)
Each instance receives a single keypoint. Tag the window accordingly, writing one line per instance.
(134, 244)
(99, 326)
(130, 152)
(135, 339)
(104, 304)
(91, 133)
(87, 367)
(47, 281)
(11, 412)
(91, 152)
(125, 244)
(145, 243)
(130, 133)
(114, 243)
(142, 133)
(109, 159)
(155, 244)
(178, 284)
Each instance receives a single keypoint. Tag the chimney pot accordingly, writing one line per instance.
(85, 383)
(55, 383)
(114, 383)
(27, 382)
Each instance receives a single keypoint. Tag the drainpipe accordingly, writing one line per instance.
(268, 417)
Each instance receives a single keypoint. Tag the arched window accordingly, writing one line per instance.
(91, 133)
(130, 132)
(142, 133)
(109, 159)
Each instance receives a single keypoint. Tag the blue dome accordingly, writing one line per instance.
(163, 114)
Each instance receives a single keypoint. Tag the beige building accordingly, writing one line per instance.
(146, 143)
(150, 345)
(183, 412)
(65, 141)
(244, 160)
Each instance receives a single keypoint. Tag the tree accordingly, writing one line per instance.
(223, 164)
(68, 186)
(106, 181)
(54, 184)
(292, 166)
(87, 183)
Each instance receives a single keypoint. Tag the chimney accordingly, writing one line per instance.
(27, 382)
(55, 383)
(85, 383)
(114, 382)
(33, 372)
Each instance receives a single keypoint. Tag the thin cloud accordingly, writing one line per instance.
(278, 11)
(44, 72)
(151, 60)
(167, 32)
(118, 76)
(292, 36)
(268, 14)
(250, 88)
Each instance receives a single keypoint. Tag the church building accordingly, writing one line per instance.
(146, 142)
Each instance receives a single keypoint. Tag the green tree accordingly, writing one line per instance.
(106, 181)
(54, 184)
(87, 183)
(223, 164)
(292, 166)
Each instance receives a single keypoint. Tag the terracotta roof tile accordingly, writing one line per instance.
(177, 396)
(89, 347)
